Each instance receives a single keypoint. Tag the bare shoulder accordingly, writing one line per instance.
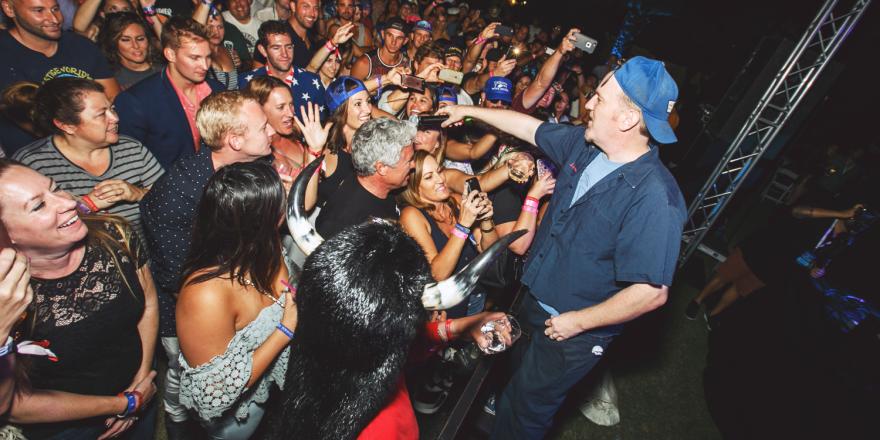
(410, 217)
(212, 296)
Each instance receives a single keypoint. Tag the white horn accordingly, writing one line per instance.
(453, 290)
(303, 233)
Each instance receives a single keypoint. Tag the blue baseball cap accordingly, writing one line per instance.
(341, 89)
(499, 88)
(647, 83)
(422, 25)
(447, 94)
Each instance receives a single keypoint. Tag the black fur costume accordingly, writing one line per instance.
(359, 311)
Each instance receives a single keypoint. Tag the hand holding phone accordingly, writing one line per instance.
(471, 184)
(413, 83)
(585, 43)
(450, 76)
(504, 31)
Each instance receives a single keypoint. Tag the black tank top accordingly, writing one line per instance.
(468, 253)
(328, 185)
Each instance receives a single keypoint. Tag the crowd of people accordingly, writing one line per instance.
(151, 149)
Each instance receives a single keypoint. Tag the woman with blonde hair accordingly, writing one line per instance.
(94, 307)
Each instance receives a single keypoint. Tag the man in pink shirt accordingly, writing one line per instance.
(160, 111)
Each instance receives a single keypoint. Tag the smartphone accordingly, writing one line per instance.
(471, 184)
(544, 166)
(413, 83)
(431, 122)
(450, 76)
(513, 52)
(504, 31)
(585, 43)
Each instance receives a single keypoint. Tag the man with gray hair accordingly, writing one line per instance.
(382, 153)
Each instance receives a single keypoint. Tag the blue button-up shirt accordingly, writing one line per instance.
(626, 229)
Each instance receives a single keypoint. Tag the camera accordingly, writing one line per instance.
(428, 122)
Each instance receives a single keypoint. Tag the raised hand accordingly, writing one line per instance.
(314, 134)
(489, 31)
(472, 204)
(395, 75)
(567, 44)
(429, 73)
(504, 66)
(542, 186)
(343, 34)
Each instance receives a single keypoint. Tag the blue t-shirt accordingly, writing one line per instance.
(76, 56)
(600, 167)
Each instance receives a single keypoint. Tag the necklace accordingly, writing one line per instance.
(249, 283)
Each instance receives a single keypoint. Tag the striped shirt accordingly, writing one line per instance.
(129, 161)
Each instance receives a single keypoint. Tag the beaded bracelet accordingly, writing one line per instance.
(283, 329)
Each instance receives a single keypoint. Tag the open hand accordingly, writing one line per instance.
(310, 126)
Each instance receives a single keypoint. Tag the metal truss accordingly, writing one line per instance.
(806, 62)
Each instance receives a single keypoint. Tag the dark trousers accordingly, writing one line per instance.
(546, 371)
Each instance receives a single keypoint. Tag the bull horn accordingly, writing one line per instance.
(453, 290)
(303, 233)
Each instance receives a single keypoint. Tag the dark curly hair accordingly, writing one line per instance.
(111, 31)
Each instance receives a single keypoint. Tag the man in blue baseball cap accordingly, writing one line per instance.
(497, 93)
(607, 247)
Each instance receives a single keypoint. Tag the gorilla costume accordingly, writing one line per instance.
(362, 298)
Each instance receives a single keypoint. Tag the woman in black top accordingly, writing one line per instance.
(94, 303)
(130, 48)
(437, 219)
(349, 103)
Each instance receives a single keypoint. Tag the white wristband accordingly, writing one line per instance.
(7, 348)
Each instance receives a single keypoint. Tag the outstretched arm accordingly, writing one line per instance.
(517, 124)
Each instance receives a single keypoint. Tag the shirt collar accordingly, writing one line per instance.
(634, 172)
(288, 79)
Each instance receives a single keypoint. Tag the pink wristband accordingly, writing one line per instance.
(530, 209)
(459, 234)
(531, 203)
